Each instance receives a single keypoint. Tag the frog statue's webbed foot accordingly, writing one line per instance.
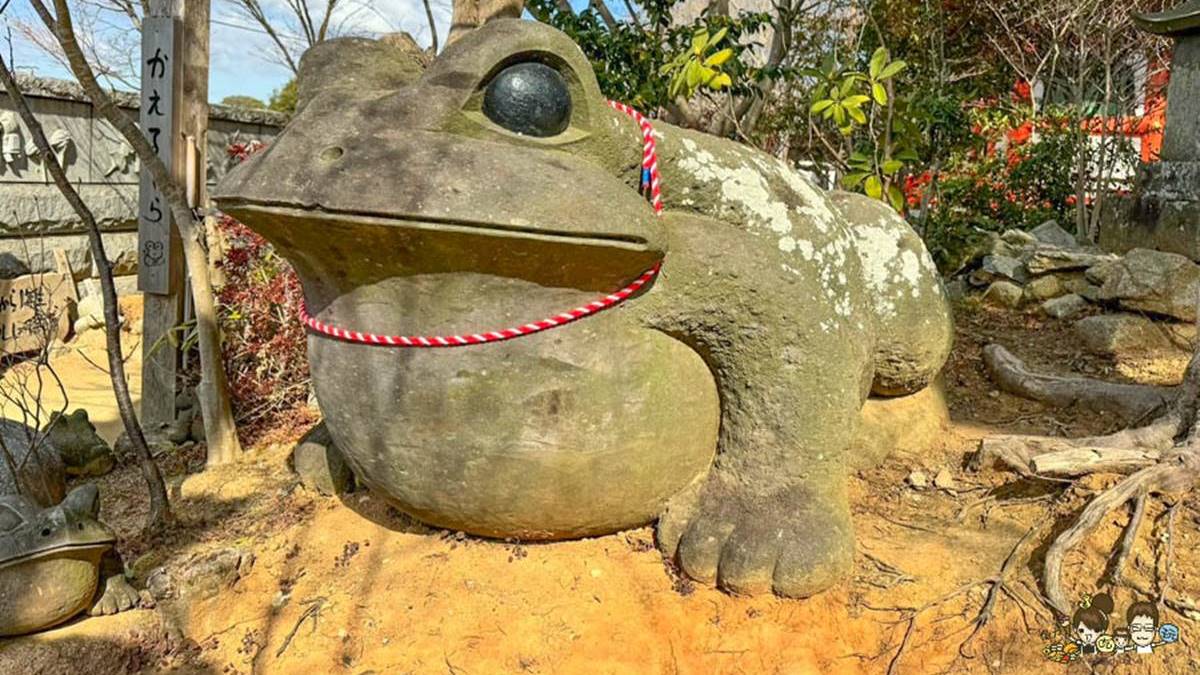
(115, 594)
(792, 541)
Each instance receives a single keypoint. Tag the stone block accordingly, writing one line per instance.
(320, 464)
(1129, 334)
(37, 253)
(1003, 294)
(1050, 233)
(1065, 307)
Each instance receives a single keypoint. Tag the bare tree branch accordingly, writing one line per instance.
(160, 509)
(212, 392)
(432, 26)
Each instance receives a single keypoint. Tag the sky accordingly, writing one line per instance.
(242, 61)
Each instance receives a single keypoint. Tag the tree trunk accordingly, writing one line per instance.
(213, 390)
(470, 14)
(160, 508)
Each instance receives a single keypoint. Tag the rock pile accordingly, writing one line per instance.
(1151, 294)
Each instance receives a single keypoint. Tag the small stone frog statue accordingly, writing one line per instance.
(52, 560)
(56, 558)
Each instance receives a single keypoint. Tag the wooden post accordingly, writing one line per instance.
(174, 112)
(160, 253)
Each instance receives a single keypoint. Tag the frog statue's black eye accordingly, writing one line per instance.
(530, 99)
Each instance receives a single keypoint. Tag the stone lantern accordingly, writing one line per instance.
(1164, 213)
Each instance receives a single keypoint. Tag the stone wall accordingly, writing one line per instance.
(35, 219)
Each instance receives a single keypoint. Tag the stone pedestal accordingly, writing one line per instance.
(1164, 211)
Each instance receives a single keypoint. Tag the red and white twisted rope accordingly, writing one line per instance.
(649, 154)
(650, 180)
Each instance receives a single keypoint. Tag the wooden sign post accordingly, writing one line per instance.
(159, 253)
(174, 117)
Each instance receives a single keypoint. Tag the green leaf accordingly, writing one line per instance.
(858, 156)
(820, 106)
(891, 166)
(874, 187)
(893, 69)
(896, 198)
(693, 75)
(853, 180)
(856, 101)
(878, 60)
(856, 114)
(717, 37)
(908, 155)
(678, 81)
(880, 93)
(839, 115)
(721, 81)
(719, 58)
(699, 42)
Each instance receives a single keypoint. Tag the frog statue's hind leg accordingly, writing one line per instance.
(773, 512)
(786, 321)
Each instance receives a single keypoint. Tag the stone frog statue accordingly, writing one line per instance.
(497, 187)
(56, 558)
(56, 562)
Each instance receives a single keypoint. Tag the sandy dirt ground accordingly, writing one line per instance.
(349, 585)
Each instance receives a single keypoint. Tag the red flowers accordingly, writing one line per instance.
(1021, 134)
(241, 151)
(1022, 92)
(914, 188)
(264, 345)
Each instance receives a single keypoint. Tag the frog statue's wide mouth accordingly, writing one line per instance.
(80, 551)
(336, 251)
(450, 226)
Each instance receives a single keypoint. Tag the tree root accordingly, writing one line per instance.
(1170, 475)
(1117, 569)
(1133, 403)
(1049, 457)
(1162, 458)
(997, 585)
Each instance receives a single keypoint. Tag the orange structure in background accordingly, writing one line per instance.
(1148, 126)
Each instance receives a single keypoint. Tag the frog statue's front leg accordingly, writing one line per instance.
(792, 368)
(114, 594)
